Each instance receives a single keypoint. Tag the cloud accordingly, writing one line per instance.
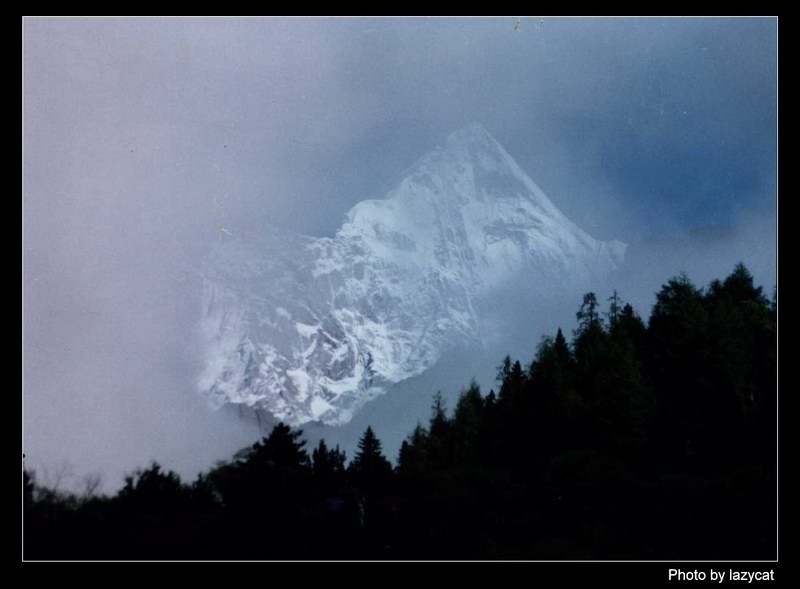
(142, 136)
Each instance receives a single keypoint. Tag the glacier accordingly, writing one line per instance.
(311, 328)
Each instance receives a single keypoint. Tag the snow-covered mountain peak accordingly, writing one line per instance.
(312, 328)
(473, 134)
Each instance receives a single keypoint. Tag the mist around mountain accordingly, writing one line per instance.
(311, 329)
(357, 329)
(150, 408)
(145, 138)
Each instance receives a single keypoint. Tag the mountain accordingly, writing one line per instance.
(310, 329)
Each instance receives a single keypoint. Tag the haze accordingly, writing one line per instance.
(143, 136)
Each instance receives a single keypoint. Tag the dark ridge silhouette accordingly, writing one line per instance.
(637, 440)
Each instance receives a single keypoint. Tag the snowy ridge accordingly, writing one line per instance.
(312, 328)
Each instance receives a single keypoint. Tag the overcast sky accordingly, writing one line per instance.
(142, 136)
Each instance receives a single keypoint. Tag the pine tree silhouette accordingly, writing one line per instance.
(370, 469)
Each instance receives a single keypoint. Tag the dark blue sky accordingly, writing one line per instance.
(637, 127)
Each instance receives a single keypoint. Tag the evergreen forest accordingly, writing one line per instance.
(625, 437)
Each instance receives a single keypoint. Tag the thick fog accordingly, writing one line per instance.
(144, 137)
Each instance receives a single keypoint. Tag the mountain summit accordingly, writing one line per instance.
(309, 329)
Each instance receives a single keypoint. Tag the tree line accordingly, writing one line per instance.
(629, 440)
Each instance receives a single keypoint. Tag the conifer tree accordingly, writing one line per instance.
(440, 444)
(283, 448)
(614, 308)
(413, 457)
(370, 468)
(327, 464)
(468, 422)
(588, 315)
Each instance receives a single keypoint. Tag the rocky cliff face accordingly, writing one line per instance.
(311, 328)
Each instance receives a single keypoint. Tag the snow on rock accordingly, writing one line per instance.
(309, 329)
